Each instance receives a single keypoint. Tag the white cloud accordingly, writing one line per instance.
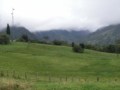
(53, 14)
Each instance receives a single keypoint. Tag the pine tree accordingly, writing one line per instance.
(73, 44)
(8, 30)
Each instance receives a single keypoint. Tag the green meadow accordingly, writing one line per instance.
(49, 67)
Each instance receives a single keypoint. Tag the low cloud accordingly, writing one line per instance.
(65, 14)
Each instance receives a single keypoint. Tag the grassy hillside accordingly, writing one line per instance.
(61, 62)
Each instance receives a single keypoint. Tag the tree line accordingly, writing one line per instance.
(79, 48)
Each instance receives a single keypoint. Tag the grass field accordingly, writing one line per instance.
(50, 67)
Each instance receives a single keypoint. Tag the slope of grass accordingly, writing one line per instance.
(60, 61)
(78, 86)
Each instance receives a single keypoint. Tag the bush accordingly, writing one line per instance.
(4, 39)
(92, 47)
(109, 48)
(112, 49)
(78, 49)
(56, 42)
(82, 45)
(24, 38)
(73, 44)
(118, 49)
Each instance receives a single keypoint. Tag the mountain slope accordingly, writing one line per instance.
(64, 35)
(17, 32)
(105, 35)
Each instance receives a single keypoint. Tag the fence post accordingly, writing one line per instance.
(60, 79)
(49, 79)
(13, 74)
(66, 78)
(79, 79)
(98, 79)
(85, 79)
(7, 73)
(2, 74)
(36, 76)
(18, 76)
(25, 75)
(72, 79)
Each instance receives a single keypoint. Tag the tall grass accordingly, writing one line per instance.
(14, 84)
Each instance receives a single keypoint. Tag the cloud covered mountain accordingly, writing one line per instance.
(63, 35)
(105, 35)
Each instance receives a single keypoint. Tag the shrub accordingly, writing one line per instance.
(8, 30)
(92, 47)
(118, 49)
(24, 38)
(73, 44)
(109, 49)
(4, 39)
(82, 45)
(43, 42)
(78, 49)
(56, 42)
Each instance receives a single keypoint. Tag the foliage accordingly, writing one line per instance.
(8, 30)
(63, 35)
(90, 46)
(107, 48)
(104, 36)
(110, 49)
(82, 45)
(58, 42)
(118, 49)
(73, 44)
(4, 39)
(24, 38)
(78, 49)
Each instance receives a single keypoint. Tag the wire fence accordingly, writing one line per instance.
(49, 78)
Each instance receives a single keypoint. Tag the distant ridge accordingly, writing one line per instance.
(105, 35)
(17, 32)
(63, 35)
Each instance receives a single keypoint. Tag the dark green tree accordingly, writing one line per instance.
(78, 49)
(24, 38)
(82, 45)
(4, 39)
(73, 44)
(57, 42)
(117, 49)
(8, 30)
(110, 48)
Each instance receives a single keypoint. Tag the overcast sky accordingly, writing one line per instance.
(65, 14)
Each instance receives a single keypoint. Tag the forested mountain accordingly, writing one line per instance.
(106, 35)
(17, 32)
(63, 35)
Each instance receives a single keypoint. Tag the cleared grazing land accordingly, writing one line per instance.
(49, 67)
